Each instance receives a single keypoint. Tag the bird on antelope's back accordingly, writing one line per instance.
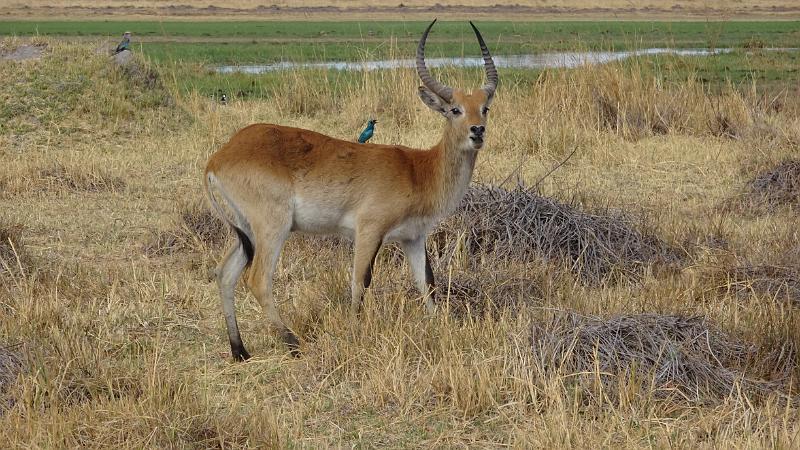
(368, 132)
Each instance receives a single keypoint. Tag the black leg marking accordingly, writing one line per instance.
(238, 351)
(368, 275)
(429, 272)
(292, 343)
(249, 250)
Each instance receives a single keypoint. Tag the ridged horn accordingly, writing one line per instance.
(445, 92)
(488, 64)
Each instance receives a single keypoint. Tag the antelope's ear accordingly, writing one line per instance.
(433, 101)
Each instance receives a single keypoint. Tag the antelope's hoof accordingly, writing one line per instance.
(292, 343)
(241, 355)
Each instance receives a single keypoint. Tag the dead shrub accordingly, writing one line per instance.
(676, 358)
(522, 225)
(198, 229)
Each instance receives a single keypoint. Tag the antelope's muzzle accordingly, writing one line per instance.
(476, 135)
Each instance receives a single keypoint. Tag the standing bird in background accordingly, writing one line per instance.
(367, 133)
(125, 44)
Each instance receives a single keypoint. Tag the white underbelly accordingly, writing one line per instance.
(322, 218)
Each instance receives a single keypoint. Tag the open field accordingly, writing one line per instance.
(532, 35)
(190, 46)
(410, 9)
(651, 299)
(253, 42)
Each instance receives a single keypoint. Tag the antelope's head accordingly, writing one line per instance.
(466, 112)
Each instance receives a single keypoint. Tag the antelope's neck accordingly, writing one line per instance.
(454, 167)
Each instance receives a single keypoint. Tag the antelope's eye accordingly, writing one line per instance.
(485, 110)
(455, 111)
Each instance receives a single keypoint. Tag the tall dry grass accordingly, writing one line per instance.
(115, 322)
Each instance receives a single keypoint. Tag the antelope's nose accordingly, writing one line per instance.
(477, 130)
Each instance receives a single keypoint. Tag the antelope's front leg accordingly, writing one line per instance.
(366, 249)
(420, 264)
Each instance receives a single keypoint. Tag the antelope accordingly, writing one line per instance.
(275, 180)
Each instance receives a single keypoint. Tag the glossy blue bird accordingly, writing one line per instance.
(367, 133)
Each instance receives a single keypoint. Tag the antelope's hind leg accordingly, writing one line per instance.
(228, 273)
(271, 237)
(367, 244)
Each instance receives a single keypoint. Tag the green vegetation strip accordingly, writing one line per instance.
(263, 42)
(774, 71)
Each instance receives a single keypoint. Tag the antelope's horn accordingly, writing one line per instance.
(445, 92)
(488, 64)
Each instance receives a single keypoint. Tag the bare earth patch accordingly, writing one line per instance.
(408, 9)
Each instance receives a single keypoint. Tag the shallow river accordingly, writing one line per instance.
(538, 61)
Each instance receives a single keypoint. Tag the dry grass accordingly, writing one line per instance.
(778, 282)
(10, 367)
(199, 229)
(13, 257)
(59, 177)
(123, 343)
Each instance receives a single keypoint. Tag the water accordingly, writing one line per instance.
(539, 61)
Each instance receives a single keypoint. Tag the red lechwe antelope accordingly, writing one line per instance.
(275, 180)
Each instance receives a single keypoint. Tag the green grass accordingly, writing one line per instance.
(772, 69)
(268, 52)
(185, 50)
(321, 41)
(679, 32)
(769, 68)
